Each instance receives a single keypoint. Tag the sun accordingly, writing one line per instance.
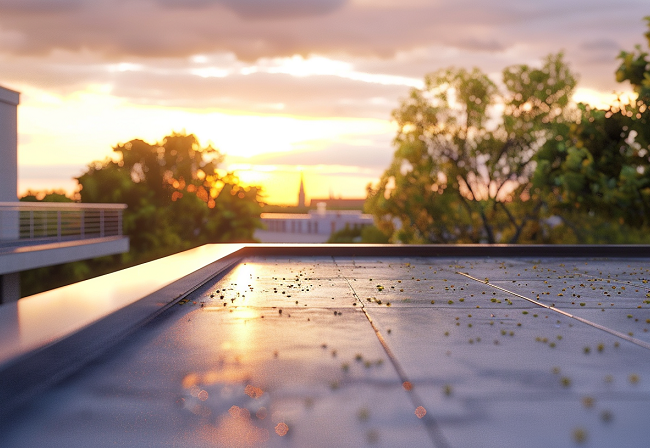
(601, 100)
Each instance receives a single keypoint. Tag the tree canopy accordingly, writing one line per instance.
(46, 196)
(478, 163)
(175, 195)
(465, 155)
(599, 177)
(177, 198)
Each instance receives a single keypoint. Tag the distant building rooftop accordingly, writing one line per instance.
(339, 203)
(326, 345)
(314, 227)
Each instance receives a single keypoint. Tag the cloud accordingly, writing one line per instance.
(219, 82)
(376, 154)
(39, 6)
(261, 28)
(598, 51)
(357, 59)
(264, 9)
(262, 92)
(146, 51)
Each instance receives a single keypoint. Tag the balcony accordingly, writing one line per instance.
(34, 235)
(48, 221)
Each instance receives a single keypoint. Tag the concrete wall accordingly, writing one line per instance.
(9, 283)
(8, 145)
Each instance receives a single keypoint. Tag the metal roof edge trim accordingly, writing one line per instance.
(448, 250)
(30, 373)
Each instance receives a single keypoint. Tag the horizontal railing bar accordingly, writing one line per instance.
(71, 206)
(25, 222)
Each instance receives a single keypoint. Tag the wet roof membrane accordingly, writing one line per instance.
(373, 350)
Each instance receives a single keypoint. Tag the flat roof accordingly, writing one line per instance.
(347, 345)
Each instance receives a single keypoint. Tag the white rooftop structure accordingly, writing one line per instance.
(8, 144)
(34, 235)
(313, 227)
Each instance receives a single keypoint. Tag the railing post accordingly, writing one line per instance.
(119, 222)
(58, 225)
(31, 225)
(101, 223)
(83, 225)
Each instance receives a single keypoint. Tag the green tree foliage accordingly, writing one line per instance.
(175, 195)
(176, 199)
(49, 196)
(599, 178)
(464, 158)
(358, 234)
(372, 235)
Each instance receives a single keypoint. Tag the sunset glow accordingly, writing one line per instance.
(602, 100)
(281, 182)
(238, 78)
(44, 116)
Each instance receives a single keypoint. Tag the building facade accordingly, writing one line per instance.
(314, 227)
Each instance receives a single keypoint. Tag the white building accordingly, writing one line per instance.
(313, 227)
(34, 235)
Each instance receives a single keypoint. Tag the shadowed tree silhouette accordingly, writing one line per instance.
(175, 194)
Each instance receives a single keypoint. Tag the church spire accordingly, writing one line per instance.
(301, 193)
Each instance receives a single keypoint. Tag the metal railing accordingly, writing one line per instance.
(59, 221)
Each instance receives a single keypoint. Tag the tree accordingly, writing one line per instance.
(175, 195)
(176, 199)
(598, 179)
(462, 169)
(45, 196)
(358, 234)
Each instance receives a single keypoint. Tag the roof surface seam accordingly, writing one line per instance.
(618, 334)
(433, 429)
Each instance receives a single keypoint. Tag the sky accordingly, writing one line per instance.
(282, 87)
